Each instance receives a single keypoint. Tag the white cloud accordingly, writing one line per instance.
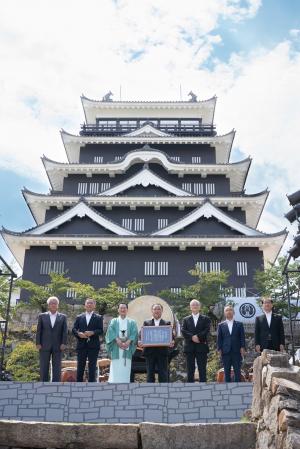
(55, 50)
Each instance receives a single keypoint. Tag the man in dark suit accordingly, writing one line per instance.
(269, 330)
(195, 330)
(87, 328)
(51, 340)
(157, 357)
(231, 344)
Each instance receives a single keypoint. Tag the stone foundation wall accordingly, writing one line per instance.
(124, 403)
(276, 402)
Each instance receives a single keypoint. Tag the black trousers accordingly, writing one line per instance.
(90, 355)
(191, 358)
(159, 363)
(235, 361)
(45, 357)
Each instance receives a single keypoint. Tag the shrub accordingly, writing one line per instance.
(23, 363)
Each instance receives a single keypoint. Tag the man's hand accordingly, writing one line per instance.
(220, 352)
(257, 348)
(195, 339)
(38, 347)
(281, 347)
(140, 344)
(243, 352)
(89, 333)
(62, 347)
(172, 344)
(82, 335)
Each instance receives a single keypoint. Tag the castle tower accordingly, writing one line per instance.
(148, 192)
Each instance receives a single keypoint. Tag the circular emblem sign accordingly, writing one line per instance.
(247, 310)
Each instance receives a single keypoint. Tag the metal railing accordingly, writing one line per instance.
(118, 130)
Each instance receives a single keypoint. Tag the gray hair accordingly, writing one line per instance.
(196, 300)
(52, 299)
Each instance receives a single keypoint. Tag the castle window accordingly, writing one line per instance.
(176, 290)
(240, 292)
(242, 268)
(149, 269)
(82, 188)
(202, 266)
(196, 159)
(156, 268)
(98, 159)
(139, 224)
(187, 186)
(162, 223)
(94, 188)
(198, 188)
(104, 268)
(104, 186)
(118, 158)
(71, 293)
(210, 188)
(127, 223)
(175, 158)
(52, 266)
(215, 267)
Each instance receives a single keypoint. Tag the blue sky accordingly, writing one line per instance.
(245, 52)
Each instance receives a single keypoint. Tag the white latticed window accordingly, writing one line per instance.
(71, 293)
(196, 159)
(105, 186)
(139, 224)
(162, 268)
(98, 159)
(242, 268)
(162, 223)
(104, 268)
(82, 188)
(187, 186)
(198, 188)
(127, 223)
(210, 188)
(118, 158)
(94, 188)
(175, 158)
(52, 266)
(215, 267)
(149, 269)
(240, 292)
(176, 290)
(202, 266)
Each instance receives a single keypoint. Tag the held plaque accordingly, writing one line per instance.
(156, 335)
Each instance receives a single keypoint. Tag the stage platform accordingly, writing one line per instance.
(124, 403)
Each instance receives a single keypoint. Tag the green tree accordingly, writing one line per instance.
(23, 363)
(209, 288)
(4, 292)
(272, 282)
(38, 294)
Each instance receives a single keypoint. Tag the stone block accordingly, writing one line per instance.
(288, 418)
(275, 358)
(153, 415)
(198, 436)
(107, 412)
(10, 411)
(292, 439)
(207, 412)
(292, 373)
(54, 414)
(73, 436)
(201, 395)
(102, 394)
(285, 387)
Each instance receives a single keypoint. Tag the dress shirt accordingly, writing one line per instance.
(195, 318)
(52, 318)
(230, 324)
(156, 322)
(269, 317)
(88, 316)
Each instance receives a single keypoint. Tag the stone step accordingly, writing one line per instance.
(42, 435)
